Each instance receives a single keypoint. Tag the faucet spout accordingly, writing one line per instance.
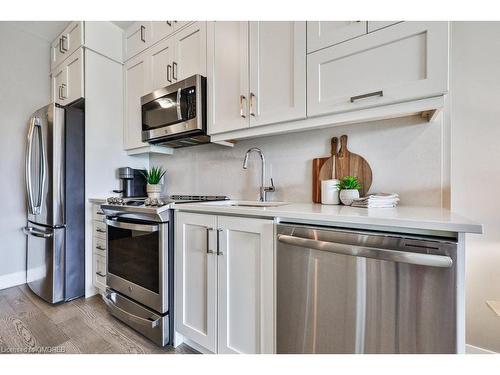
(263, 189)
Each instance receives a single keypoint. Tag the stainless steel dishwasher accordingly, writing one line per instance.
(350, 291)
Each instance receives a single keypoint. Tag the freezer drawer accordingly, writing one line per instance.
(45, 261)
(360, 292)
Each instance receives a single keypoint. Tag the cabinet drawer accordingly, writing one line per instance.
(137, 38)
(100, 230)
(322, 34)
(99, 246)
(97, 213)
(99, 272)
(396, 64)
(66, 43)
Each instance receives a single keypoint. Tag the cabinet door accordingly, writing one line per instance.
(74, 88)
(136, 84)
(399, 63)
(66, 43)
(190, 46)
(59, 78)
(160, 60)
(160, 30)
(195, 278)
(277, 72)
(245, 275)
(137, 38)
(321, 34)
(228, 75)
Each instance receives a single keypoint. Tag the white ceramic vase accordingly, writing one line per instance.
(347, 196)
(153, 191)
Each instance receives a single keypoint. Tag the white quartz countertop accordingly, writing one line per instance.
(402, 217)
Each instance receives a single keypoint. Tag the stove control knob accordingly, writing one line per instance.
(119, 201)
(109, 200)
(154, 202)
(147, 202)
(160, 203)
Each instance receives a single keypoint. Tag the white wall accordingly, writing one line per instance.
(475, 167)
(24, 87)
(405, 156)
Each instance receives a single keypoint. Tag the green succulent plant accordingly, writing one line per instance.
(154, 175)
(349, 182)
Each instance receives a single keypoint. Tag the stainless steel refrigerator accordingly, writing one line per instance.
(55, 230)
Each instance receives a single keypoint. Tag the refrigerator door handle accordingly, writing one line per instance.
(43, 168)
(31, 205)
(37, 233)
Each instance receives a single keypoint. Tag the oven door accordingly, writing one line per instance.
(137, 261)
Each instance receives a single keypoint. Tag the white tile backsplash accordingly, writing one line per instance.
(405, 156)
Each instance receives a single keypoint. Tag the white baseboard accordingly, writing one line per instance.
(12, 279)
(471, 349)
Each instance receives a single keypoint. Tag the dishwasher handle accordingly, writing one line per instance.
(420, 259)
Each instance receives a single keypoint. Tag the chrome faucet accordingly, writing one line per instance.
(263, 189)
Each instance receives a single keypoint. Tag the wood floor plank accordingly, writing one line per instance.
(79, 326)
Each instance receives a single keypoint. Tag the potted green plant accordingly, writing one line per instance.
(153, 178)
(349, 189)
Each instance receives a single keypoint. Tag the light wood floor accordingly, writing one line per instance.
(80, 326)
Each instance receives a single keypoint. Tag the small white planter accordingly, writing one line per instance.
(347, 196)
(153, 191)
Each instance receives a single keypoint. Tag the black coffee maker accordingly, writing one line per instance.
(133, 183)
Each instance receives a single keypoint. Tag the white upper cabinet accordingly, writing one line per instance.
(399, 63)
(190, 46)
(277, 72)
(137, 38)
(227, 76)
(136, 83)
(256, 74)
(161, 29)
(160, 59)
(245, 284)
(321, 34)
(68, 79)
(196, 278)
(66, 43)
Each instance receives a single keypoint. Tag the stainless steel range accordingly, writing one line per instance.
(140, 264)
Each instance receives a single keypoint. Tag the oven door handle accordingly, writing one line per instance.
(108, 300)
(132, 226)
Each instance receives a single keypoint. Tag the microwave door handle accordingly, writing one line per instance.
(179, 114)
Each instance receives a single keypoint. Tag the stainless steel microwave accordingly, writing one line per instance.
(175, 115)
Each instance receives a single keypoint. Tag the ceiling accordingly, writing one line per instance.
(46, 30)
(49, 30)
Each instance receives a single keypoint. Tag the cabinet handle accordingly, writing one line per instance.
(242, 113)
(174, 70)
(169, 71)
(63, 91)
(169, 23)
(219, 251)
(100, 274)
(143, 29)
(369, 95)
(100, 230)
(99, 213)
(60, 94)
(208, 241)
(99, 247)
(252, 97)
(60, 45)
(64, 48)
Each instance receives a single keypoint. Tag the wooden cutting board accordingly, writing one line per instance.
(317, 165)
(350, 164)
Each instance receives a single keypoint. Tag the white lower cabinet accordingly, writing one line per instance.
(99, 253)
(224, 282)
